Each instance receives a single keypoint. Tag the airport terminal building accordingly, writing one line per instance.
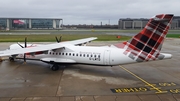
(30, 23)
(57, 23)
(129, 23)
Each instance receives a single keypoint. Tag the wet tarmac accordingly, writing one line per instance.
(150, 81)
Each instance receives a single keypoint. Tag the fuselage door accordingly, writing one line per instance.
(107, 57)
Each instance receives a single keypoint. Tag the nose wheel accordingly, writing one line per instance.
(55, 67)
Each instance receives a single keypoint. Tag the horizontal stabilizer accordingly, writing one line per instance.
(164, 56)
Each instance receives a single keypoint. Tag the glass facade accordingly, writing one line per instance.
(42, 23)
(3, 23)
(30, 23)
(20, 23)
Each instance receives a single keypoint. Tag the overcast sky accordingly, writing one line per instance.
(88, 11)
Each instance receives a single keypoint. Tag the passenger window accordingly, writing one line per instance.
(80, 54)
(99, 56)
(49, 52)
(73, 54)
(84, 55)
(56, 53)
(87, 55)
(59, 53)
(53, 53)
(62, 53)
(69, 54)
(91, 55)
(66, 53)
(77, 54)
(94, 55)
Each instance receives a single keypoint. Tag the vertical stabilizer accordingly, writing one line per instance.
(147, 44)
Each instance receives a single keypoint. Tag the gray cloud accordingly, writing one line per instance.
(88, 11)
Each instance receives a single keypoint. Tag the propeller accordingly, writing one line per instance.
(20, 45)
(58, 40)
(25, 45)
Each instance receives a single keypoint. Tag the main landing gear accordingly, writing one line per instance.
(11, 59)
(55, 67)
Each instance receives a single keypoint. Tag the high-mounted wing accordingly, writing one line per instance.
(44, 48)
(81, 41)
(31, 49)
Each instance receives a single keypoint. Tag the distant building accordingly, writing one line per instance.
(30, 23)
(84, 26)
(128, 23)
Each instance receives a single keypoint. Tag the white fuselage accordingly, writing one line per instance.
(71, 54)
(89, 55)
(82, 54)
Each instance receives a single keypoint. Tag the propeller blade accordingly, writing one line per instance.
(24, 57)
(25, 42)
(20, 45)
(25, 45)
(57, 39)
(60, 38)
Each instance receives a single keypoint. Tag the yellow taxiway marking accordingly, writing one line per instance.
(151, 85)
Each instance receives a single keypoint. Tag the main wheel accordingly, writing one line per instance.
(11, 59)
(55, 67)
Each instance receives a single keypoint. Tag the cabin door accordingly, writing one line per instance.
(107, 57)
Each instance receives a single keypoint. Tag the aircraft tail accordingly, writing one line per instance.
(147, 44)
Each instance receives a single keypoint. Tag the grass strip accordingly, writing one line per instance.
(65, 37)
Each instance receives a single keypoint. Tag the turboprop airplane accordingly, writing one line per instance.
(143, 47)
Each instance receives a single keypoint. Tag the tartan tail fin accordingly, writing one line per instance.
(147, 44)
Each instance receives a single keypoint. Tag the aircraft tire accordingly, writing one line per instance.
(55, 67)
(11, 59)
